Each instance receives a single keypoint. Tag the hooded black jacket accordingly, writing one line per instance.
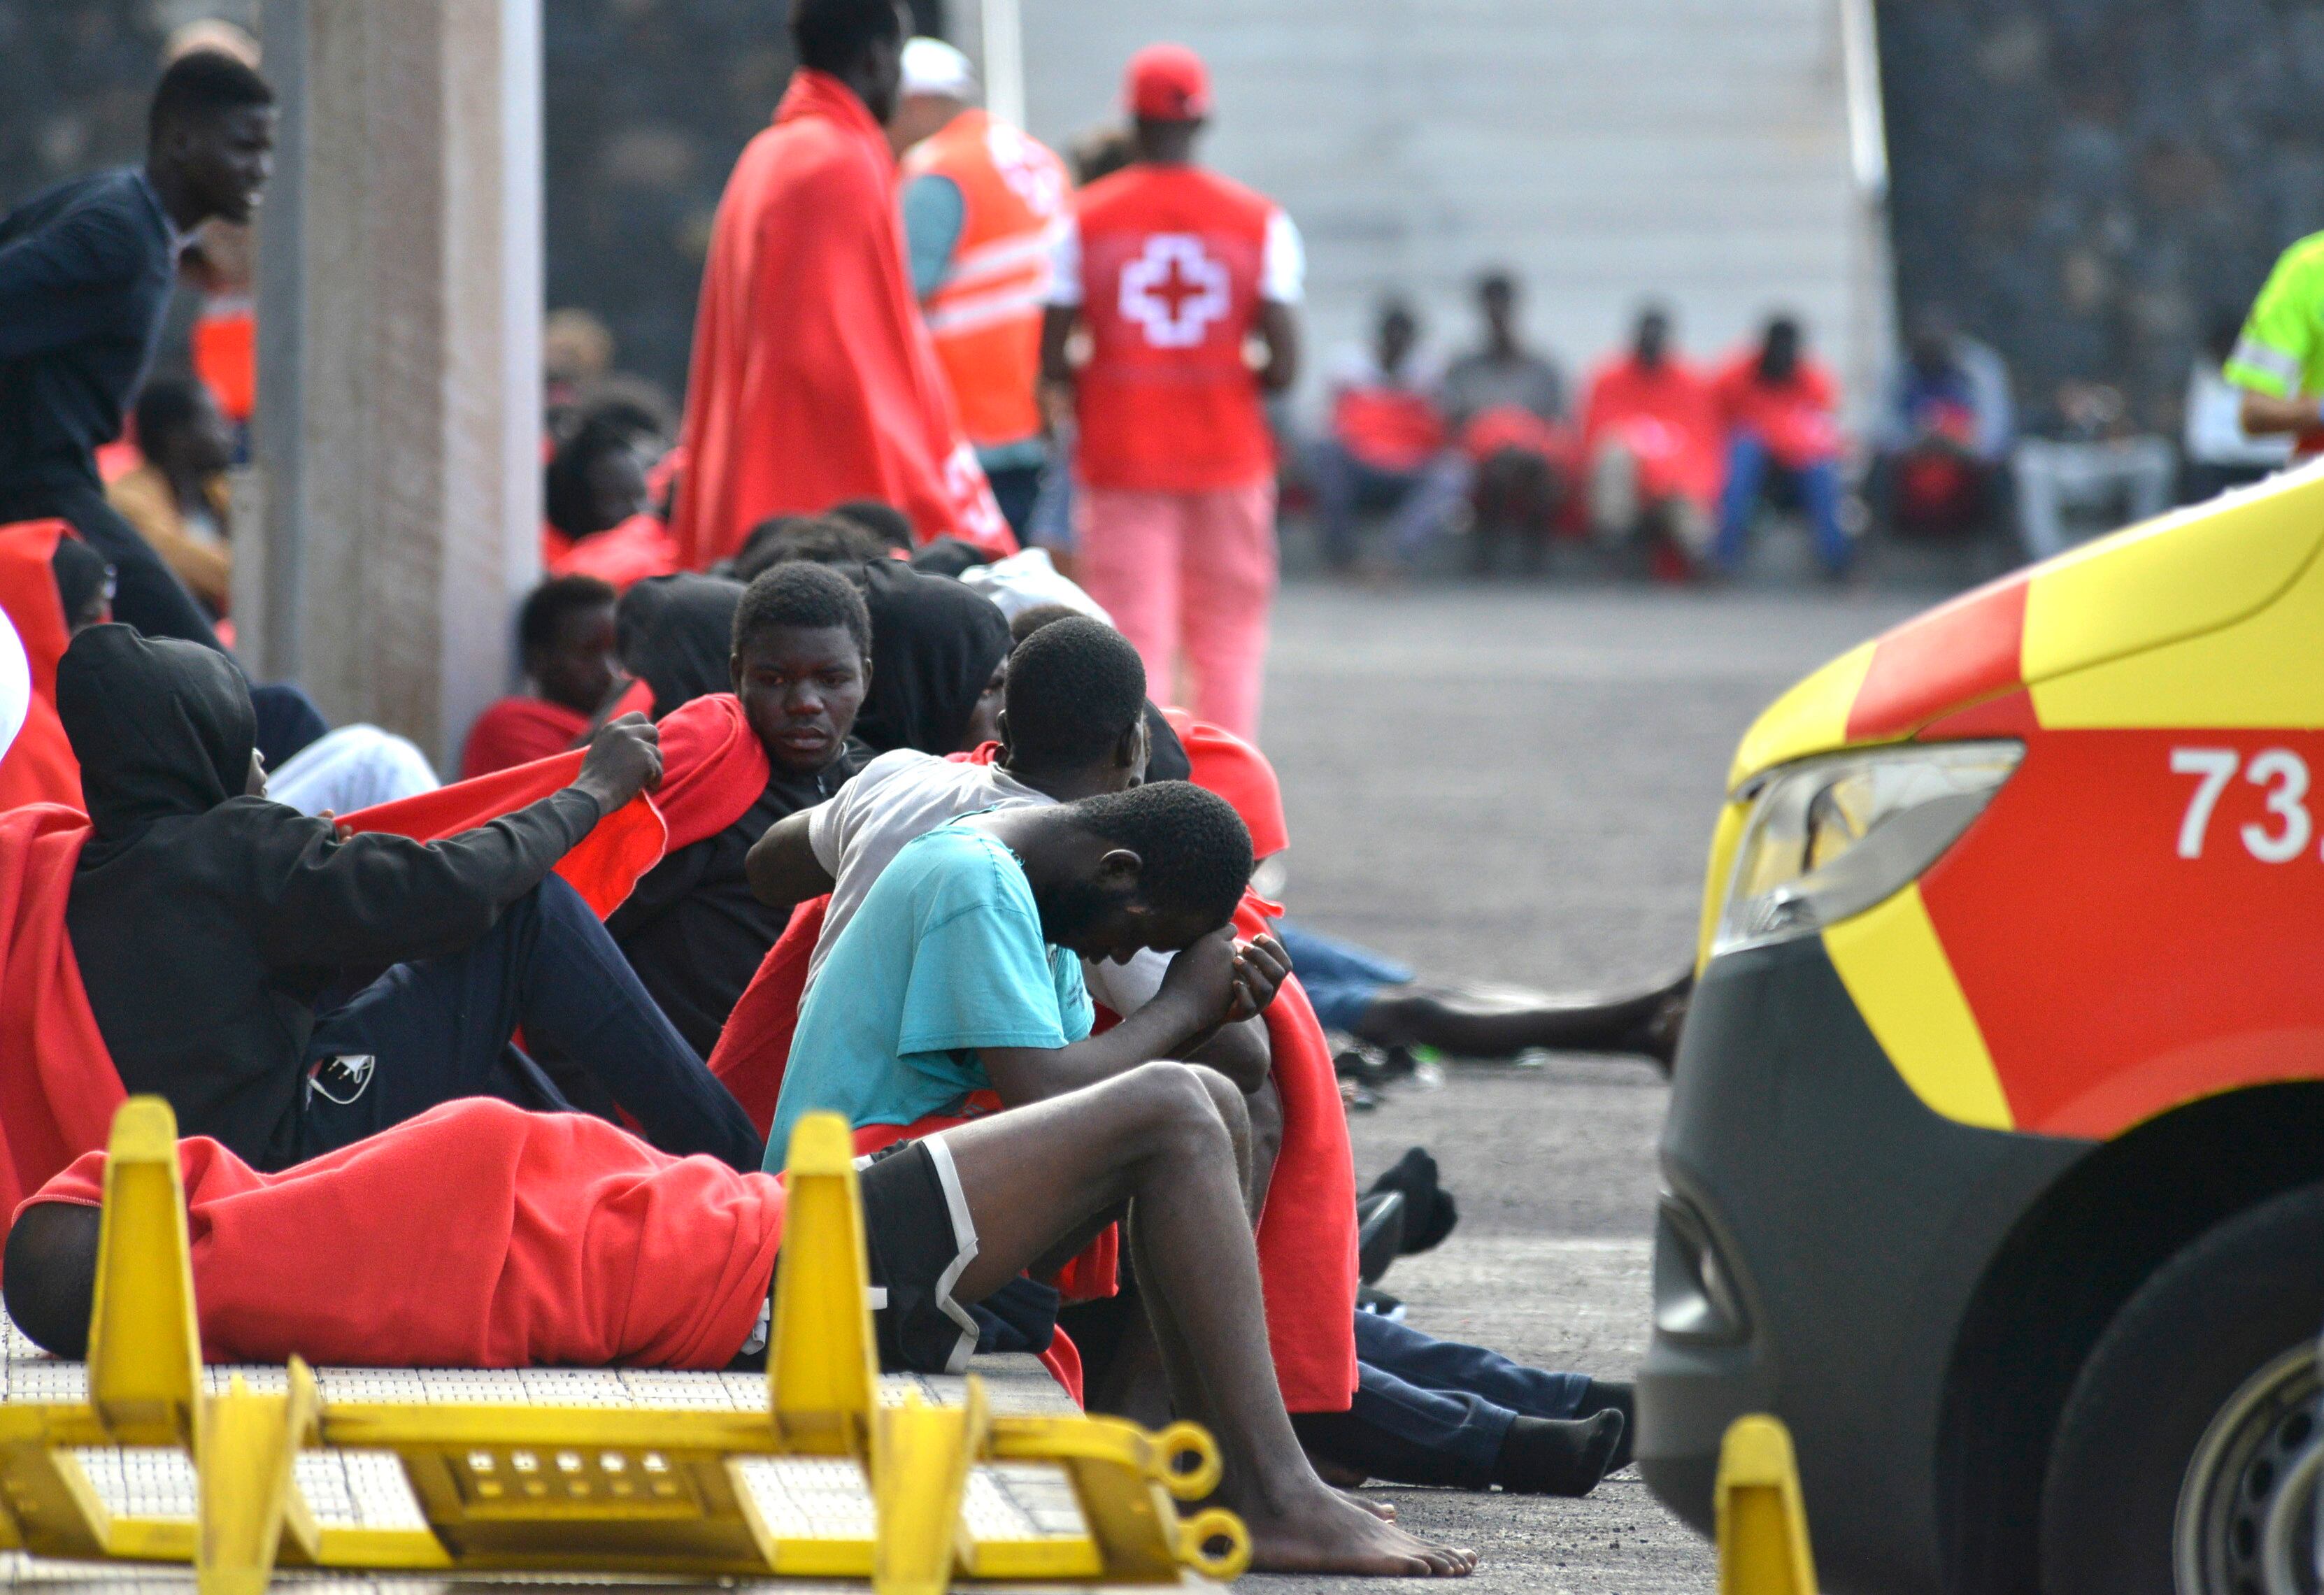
(207, 923)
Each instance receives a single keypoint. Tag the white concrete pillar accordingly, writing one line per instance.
(399, 315)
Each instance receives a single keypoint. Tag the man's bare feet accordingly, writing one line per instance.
(1325, 1532)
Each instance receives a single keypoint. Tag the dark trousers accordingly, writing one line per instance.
(149, 595)
(1433, 1412)
(1014, 489)
(435, 1030)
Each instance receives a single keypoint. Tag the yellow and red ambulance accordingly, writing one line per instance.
(1995, 1162)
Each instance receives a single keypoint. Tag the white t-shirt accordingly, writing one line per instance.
(903, 795)
(1282, 263)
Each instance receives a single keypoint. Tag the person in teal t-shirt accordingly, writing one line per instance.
(960, 971)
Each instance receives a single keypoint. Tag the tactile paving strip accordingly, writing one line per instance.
(797, 1496)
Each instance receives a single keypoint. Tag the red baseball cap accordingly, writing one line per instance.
(1167, 83)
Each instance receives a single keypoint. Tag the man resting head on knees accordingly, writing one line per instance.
(225, 941)
(960, 971)
(799, 663)
(559, 1240)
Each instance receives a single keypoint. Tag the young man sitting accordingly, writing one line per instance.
(1074, 725)
(233, 949)
(959, 971)
(800, 662)
(557, 1238)
(565, 634)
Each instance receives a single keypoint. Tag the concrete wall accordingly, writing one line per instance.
(1606, 149)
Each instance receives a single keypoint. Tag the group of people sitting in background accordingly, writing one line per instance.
(1664, 463)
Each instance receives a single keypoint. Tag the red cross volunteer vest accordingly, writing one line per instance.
(986, 316)
(1170, 264)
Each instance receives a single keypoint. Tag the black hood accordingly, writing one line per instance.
(676, 635)
(162, 728)
(933, 646)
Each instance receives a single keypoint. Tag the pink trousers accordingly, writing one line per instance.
(1188, 574)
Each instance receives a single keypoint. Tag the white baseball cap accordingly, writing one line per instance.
(933, 67)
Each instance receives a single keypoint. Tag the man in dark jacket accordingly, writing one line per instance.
(86, 270)
(289, 992)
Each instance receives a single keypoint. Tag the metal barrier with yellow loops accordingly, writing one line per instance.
(580, 1488)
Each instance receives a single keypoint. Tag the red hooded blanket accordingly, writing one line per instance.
(813, 380)
(477, 1235)
(58, 1088)
(38, 766)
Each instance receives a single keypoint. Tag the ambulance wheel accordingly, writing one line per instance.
(2187, 1456)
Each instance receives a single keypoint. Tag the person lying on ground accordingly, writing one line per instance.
(1370, 997)
(559, 1240)
(1435, 1412)
(232, 949)
(799, 661)
(564, 636)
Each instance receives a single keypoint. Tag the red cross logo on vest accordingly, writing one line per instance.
(1174, 291)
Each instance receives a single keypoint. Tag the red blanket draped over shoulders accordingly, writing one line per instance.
(57, 1084)
(545, 1238)
(813, 379)
(1307, 1230)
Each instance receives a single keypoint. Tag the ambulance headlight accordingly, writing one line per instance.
(1827, 838)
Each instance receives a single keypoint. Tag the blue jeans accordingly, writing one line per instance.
(1339, 978)
(434, 1029)
(1433, 1412)
(1748, 465)
(1422, 500)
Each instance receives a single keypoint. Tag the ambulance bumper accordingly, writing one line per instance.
(1820, 1235)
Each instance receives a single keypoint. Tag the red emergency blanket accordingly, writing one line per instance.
(38, 765)
(477, 1235)
(621, 556)
(813, 380)
(58, 1088)
(712, 768)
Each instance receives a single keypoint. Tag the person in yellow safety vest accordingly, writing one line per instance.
(984, 203)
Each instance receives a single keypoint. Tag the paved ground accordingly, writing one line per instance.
(1519, 783)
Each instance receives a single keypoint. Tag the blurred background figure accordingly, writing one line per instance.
(221, 265)
(2219, 453)
(1651, 445)
(576, 352)
(1386, 446)
(1941, 470)
(176, 498)
(1783, 435)
(2090, 473)
(1506, 406)
(983, 202)
(1170, 271)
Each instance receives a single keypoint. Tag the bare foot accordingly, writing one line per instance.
(1325, 1532)
(1379, 1509)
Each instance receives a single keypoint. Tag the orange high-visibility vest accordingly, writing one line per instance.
(986, 316)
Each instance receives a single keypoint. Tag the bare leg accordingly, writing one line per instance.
(1155, 1136)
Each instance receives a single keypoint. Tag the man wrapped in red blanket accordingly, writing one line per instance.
(1076, 723)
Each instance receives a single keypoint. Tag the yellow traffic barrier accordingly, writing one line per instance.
(903, 1494)
(1762, 1521)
